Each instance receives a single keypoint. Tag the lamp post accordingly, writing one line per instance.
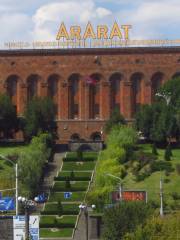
(120, 184)
(84, 208)
(166, 96)
(27, 204)
(16, 174)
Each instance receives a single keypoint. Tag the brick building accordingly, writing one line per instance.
(125, 78)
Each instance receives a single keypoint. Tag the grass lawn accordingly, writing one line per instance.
(78, 166)
(7, 173)
(13, 150)
(171, 183)
(78, 176)
(60, 186)
(68, 209)
(56, 232)
(75, 196)
(87, 156)
(63, 221)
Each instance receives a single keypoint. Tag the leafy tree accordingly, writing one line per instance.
(143, 120)
(79, 155)
(60, 208)
(125, 217)
(8, 117)
(115, 119)
(39, 117)
(31, 164)
(72, 175)
(154, 149)
(68, 184)
(157, 228)
(167, 154)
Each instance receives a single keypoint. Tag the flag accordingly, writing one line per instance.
(90, 80)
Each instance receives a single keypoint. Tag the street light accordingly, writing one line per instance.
(16, 174)
(166, 97)
(120, 184)
(85, 208)
(27, 204)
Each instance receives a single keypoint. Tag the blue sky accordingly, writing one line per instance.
(31, 20)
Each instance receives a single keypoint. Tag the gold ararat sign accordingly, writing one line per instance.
(101, 32)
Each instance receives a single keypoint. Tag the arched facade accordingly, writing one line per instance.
(123, 77)
(12, 89)
(33, 82)
(115, 91)
(73, 96)
(156, 83)
(136, 91)
(94, 96)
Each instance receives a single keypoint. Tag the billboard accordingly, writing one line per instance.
(7, 204)
(130, 195)
(19, 227)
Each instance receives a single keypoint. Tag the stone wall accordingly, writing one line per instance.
(140, 71)
(6, 229)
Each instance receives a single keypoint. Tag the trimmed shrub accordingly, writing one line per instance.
(161, 165)
(154, 150)
(167, 154)
(178, 168)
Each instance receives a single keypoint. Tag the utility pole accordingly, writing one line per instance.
(161, 198)
(120, 192)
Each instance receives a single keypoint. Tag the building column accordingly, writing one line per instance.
(105, 100)
(82, 99)
(43, 89)
(21, 98)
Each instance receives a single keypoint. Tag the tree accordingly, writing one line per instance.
(154, 149)
(79, 155)
(8, 117)
(60, 208)
(115, 119)
(39, 117)
(125, 217)
(68, 184)
(167, 154)
(72, 175)
(31, 164)
(143, 120)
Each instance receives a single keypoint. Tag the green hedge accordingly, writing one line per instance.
(87, 156)
(65, 232)
(83, 166)
(60, 186)
(75, 196)
(78, 176)
(53, 221)
(68, 209)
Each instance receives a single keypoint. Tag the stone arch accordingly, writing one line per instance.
(75, 137)
(73, 95)
(94, 95)
(32, 86)
(156, 82)
(12, 89)
(52, 83)
(176, 75)
(96, 137)
(115, 90)
(136, 91)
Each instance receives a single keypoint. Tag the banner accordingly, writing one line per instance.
(131, 195)
(19, 227)
(7, 204)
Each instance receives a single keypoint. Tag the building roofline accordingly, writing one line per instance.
(90, 51)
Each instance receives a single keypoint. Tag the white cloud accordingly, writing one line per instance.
(48, 17)
(40, 19)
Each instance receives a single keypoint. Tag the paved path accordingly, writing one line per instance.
(51, 171)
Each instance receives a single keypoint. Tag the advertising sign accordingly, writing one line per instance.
(19, 227)
(7, 204)
(131, 195)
